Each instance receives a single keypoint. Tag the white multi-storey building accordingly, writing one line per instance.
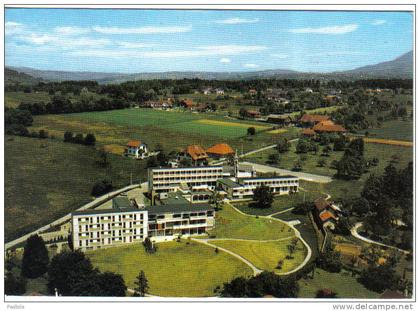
(93, 229)
(170, 179)
(244, 188)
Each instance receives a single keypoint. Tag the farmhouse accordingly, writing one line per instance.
(328, 127)
(136, 149)
(252, 92)
(325, 213)
(196, 153)
(253, 114)
(309, 120)
(282, 120)
(220, 151)
(93, 229)
(219, 91)
(187, 103)
(308, 132)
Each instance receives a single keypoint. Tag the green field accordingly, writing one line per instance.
(231, 224)
(266, 255)
(395, 129)
(342, 283)
(13, 99)
(171, 129)
(45, 179)
(175, 270)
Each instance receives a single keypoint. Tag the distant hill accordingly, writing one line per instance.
(401, 67)
(14, 77)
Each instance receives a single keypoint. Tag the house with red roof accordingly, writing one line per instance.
(196, 153)
(220, 151)
(325, 213)
(309, 120)
(328, 127)
(187, 103)
(136, 149)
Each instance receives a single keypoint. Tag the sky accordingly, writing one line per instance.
(130, 41)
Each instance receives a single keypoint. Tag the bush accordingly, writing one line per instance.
(35, 257)
(102, 187)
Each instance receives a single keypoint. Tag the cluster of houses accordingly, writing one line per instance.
(315, 124)
(326, 214)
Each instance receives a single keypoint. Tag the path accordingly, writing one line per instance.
(281, 212)
(367, 240)
(305, 176)
(98, 201)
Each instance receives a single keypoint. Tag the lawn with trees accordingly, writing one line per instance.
(177, 269)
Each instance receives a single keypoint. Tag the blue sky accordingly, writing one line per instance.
(180, 40)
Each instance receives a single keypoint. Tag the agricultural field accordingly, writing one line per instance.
(45, 179)
(13, 99)
(190, 270)
(231, 224)
(173, 130)
(265, 255)
(395, 130)
(345, 285)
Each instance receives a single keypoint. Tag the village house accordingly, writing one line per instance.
(196, 153)
(220, 151)
(219, 91)
(326, 213)
(252, 92)
(281, 120)
(207, 91)
(136, 149)
(328, 126)
(309, 120)
(252, 114)
(187, 103)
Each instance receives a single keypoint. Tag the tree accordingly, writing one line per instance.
(152, 162)
(242, 113)
(292, 246)
(186, 162)
(110, 285)
(14, 285)
(103, 158)
(142, 285)
(102, 187)
(280, 264)
(330, 261)
(379, 278)
(283, 145)
(35, 257)
(340, 143)
(90, 140)
(162, 158)
(68, 137)
(297, 166)
(149, 247)
(322, 162)
(326, 151)
(43, 134)
(263, 196)
(251, 131)
(78, 139)
(350, 167)
(303, 208)
(273, 158)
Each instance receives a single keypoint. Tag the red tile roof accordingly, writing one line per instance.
(187, 103)
(328, 126)
(321, 204)
(327, 215)
(313, 118)
(308, 132)
(196, 152)
(220, 149)
(134, 143)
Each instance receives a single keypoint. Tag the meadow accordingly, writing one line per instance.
(177, 269)
(13, 99)
(45, 179)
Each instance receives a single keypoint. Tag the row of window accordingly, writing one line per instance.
(183, 172)
(96, 219)
(268, 183)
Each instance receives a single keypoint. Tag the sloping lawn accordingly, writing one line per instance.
(266, 255)
(342, 283)
(175, 270)
(231, 224)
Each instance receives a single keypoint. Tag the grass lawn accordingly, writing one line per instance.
(46, 179)
(266, 255)
(342, 283)
(231, 224)
(13, 99)
(175, 270)
(281, 203)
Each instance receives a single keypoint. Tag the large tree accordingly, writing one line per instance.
(263, 197)
(142, 285)
(35, 257)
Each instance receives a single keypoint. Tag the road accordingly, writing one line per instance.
(354, 232)
(305, 176)
(105, 199)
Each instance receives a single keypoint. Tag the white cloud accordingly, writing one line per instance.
(11, 28)
(134, 45)
(201, 51)
(281, 56)
(63, 42)
(237, 20)
(336, 53)
(141, 30)
(328, 30)
(225, 60)
(251, 66)
(378, 22)
(70, 30)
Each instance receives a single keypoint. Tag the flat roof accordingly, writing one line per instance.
(105, 211)
(174, 198)
(121, 202)
(229, 182)
(173, 208)
(184, 168)
(274, 177)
